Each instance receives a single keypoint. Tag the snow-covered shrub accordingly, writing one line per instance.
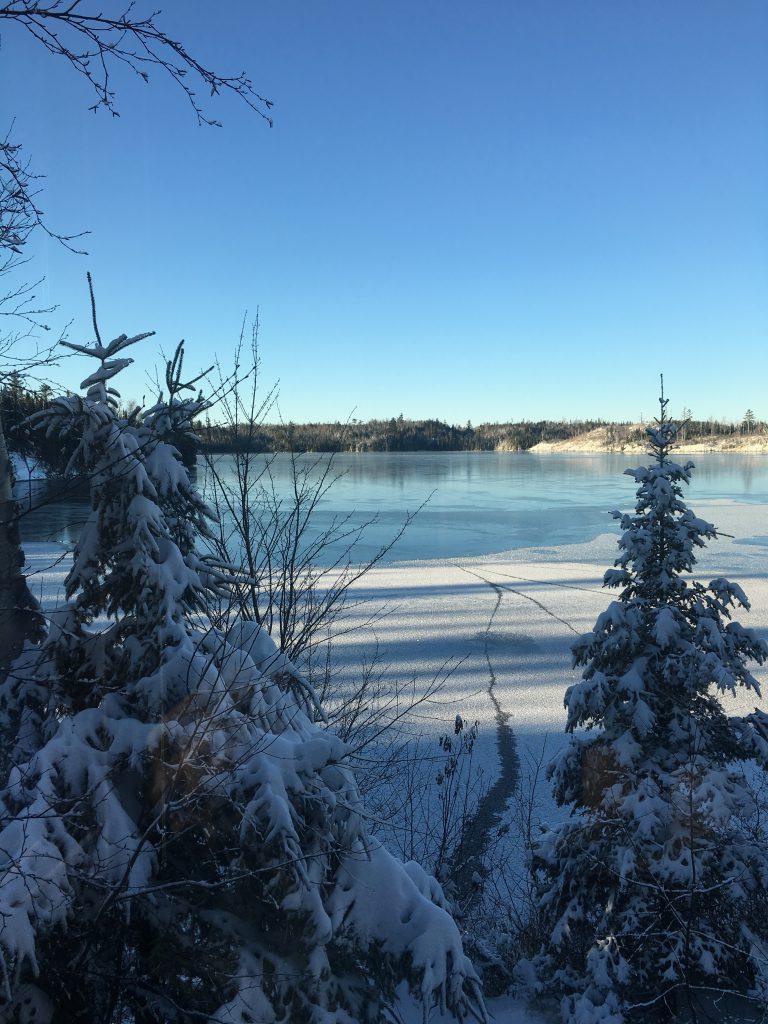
(655, 890)
(179, 840)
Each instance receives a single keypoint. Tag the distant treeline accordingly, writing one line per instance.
(393, 435)
(403, 435)
(18, 400)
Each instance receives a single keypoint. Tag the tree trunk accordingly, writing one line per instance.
(20, 617)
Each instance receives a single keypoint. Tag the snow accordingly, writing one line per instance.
(515, 614)
(439, 611)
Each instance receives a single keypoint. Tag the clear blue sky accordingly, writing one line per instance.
(489, 211)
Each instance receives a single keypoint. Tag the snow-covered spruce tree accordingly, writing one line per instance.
(180, 841)
(655, 890)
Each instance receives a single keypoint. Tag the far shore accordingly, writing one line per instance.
(595, 442)
(604, 440)
(607, 439)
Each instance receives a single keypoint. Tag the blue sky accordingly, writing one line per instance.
(502, 210)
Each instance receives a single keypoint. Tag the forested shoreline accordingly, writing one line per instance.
(392, 435)
(397, 434)
(406, 435)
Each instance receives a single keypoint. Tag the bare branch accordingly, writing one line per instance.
(93, 43)
(20, 213)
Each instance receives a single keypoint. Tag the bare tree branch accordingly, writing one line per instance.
(20, 213)
(93, 43)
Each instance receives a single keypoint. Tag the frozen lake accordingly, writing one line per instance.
(477, 503)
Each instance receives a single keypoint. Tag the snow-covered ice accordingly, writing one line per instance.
(516, 614)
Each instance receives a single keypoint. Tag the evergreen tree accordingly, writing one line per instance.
(180, 841)
(655, 890)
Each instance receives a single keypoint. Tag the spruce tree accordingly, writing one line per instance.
(180, 840)
(655, 889)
